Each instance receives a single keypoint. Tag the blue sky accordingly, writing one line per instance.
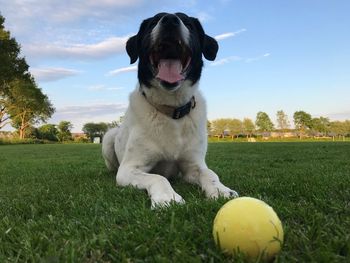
(274, 55)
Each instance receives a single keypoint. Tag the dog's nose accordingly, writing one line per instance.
(170, 20)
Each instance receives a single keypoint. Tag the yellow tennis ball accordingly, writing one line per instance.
(249, 226)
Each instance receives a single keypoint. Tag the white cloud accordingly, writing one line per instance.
(105, 48)
(52, 74)
(229, 34)
(225, 60)
(96, 87)
(78, 115)
(340, 116)
(204, 17)
(102, 87)
(248, 60)
(229, 59)
(115, 88)
(80, 9)
(122, 70)
(81, 111)
(63, 11)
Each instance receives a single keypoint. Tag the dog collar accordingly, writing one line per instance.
(174, 112)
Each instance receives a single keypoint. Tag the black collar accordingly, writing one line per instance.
(174, 112)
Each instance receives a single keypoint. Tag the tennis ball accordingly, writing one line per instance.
(249, 226)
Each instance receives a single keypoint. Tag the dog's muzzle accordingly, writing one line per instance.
(170, 55)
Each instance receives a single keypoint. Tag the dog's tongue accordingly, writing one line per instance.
(169, 70)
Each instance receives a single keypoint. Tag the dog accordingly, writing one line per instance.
(164, 131)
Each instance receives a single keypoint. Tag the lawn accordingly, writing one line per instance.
(58, 203)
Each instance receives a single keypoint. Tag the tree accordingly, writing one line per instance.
(347, 126)
(234, 126)
(282, 121)
(340, 128)
(95, 130)
(120, 121)
(20, 98)
(28, 105)
(321, 125)
(64, 131)
(12, 67)
(248, 127)
(209, 127)
(113, 124)
(263, 122)
(302, 121)
(48, 132)
(220, 126)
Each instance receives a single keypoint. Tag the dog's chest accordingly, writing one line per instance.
(173, 137)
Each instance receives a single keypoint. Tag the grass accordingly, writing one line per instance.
(58, 203)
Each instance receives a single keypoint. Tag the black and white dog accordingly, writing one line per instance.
(164, 132)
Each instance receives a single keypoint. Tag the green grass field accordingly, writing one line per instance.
(58, 203)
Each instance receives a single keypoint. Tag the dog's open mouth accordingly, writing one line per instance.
(170, 61)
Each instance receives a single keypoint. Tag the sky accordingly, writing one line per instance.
(273, 55)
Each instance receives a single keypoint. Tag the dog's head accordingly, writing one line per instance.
(169, 48)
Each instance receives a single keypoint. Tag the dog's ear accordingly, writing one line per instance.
(133, 45)
(210, 48)
(132, 49)
(208, 44)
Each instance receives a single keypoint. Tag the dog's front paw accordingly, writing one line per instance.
(161, 200)
(219, 189)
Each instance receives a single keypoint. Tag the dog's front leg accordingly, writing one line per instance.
(158, 187)
(213, 188)
(210, 183)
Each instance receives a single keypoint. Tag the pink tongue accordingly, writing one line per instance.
(169, 70)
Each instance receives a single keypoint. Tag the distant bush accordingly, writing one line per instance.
(21, 141)
(81, 140)
(16, 140)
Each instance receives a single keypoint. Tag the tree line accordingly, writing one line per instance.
(304, 125)
(62, 132)
(51, 132)
(22, 102)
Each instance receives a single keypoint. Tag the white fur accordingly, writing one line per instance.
(150, 146)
